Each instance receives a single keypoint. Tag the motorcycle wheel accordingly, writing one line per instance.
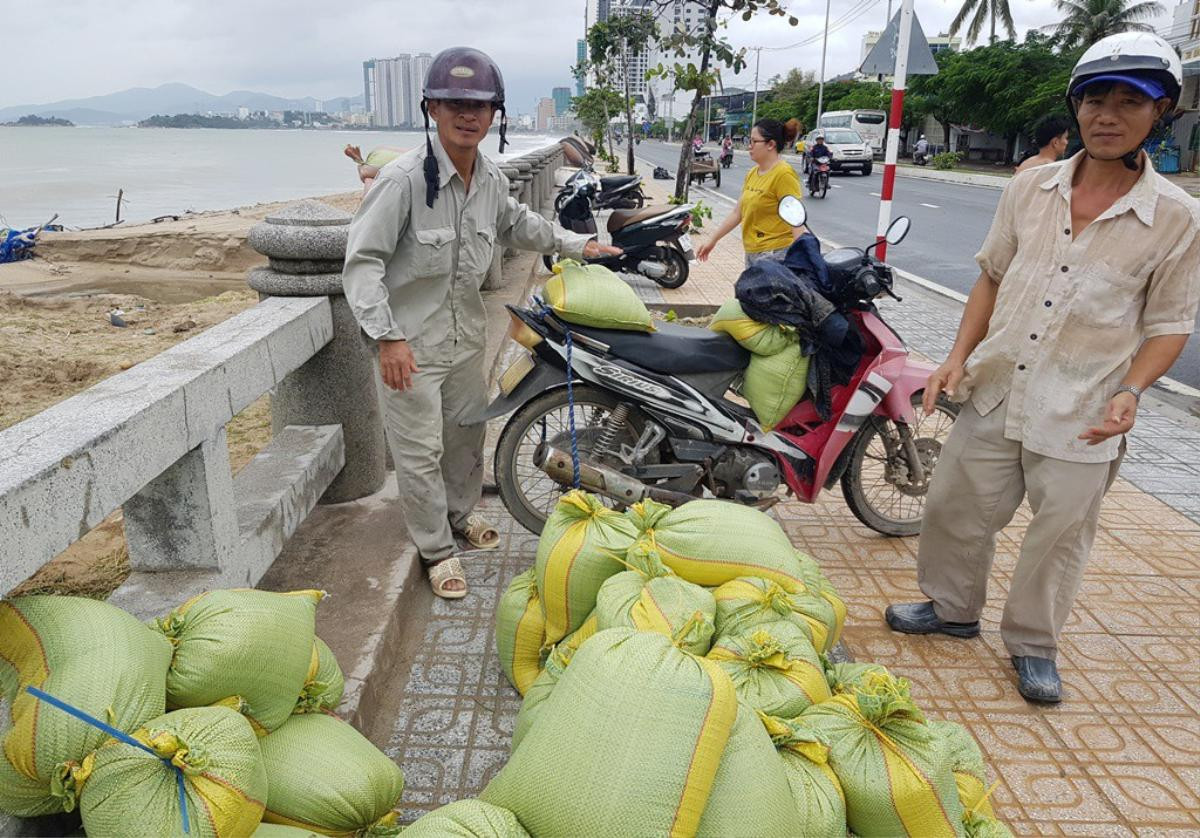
(824, 185)
(872, 495)
(717, 178)
(677, 269)
(549, 261)
(559, 200)
(527, 492)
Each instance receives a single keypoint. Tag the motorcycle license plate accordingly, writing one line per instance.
(516, 373)
(685, 242)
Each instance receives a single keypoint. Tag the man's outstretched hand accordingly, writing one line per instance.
(1119, 417)
(594, 249)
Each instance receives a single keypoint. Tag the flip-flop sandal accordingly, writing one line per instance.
(445, 571)
(479, 533)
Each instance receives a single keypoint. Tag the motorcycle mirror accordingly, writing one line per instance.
(792, 211)
(898, 230)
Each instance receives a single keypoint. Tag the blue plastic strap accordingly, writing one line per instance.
(120, 736)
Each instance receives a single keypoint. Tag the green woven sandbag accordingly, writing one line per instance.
(774, 668)
(278, 830)
(977, 825)
(89, 654)
(324, 684)
(540, 690)
(774, 384)
(253, 644)
(324, 775)
(893, 768)
(582, 544)
(651, 598)
(750, 797)
(749, 601)
(816, 792)
(592, 295)
(711, 542)
(467, 819)
(966, 760)
(131, 792)
(759, 338)
(848, 676)
(628, 743)
(521, 630)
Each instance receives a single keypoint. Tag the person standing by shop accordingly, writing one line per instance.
(419, 249)
(764, 234)
(1089, 288)
(1051, 136)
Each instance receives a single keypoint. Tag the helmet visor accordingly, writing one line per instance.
(1151, 87)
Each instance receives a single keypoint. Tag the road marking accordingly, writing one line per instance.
(836, 185)
(876, 194)
(931, 206)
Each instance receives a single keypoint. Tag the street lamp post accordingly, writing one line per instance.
(821, 87)
(754, 112)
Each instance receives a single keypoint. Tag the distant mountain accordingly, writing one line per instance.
(137, 103)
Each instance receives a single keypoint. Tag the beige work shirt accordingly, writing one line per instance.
(1072, 312)
(414, 272)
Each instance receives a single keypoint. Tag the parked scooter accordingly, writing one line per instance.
(651, 417)
(653, 241)
(608, 192)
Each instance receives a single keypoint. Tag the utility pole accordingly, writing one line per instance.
(899, 81)
(754, 112)
(821, 88)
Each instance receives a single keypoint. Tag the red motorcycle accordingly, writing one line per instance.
(658, 415)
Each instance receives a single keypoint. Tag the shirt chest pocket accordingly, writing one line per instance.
(1108, 297)
(434, 253)
(477, 252)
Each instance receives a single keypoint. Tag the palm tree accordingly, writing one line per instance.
(983, 9)
(1087, 21)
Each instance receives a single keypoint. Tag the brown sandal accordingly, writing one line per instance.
(445, 571)
(479, 533)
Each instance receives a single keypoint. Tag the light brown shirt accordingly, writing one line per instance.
(1072, 312)
(414, 272)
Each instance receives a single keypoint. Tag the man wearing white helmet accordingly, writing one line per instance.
(1089, 288)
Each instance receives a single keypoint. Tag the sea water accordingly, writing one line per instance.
(76, 172)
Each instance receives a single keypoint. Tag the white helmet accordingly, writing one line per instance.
(1141, 59)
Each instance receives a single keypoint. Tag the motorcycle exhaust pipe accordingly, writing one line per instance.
(601, 480)
(653, 270)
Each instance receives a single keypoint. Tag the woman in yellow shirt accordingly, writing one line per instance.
(764, 234)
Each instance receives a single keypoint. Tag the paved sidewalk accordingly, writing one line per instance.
(1120, 756)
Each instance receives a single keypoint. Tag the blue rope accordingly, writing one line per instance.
(120, 736)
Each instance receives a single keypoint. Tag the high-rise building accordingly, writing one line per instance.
(562, 100)
(580, 57)
(369, 86)
(418, 69)
(545, 112)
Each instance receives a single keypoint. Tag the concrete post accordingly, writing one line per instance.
(525, 178)
(306, 245)
(185, 518)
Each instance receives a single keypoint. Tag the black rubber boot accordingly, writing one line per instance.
(1037, 679)
(920, 618)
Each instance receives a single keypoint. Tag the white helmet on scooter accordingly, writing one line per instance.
(1142, 60)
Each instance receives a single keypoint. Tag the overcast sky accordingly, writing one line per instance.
(316, 48)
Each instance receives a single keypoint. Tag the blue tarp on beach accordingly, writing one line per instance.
(16, 245)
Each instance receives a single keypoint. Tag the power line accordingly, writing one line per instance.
(849, 16)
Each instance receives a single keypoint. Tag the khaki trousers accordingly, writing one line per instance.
(439, 465)
(979, 483)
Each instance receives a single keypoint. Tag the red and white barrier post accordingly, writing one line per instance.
(900, 78)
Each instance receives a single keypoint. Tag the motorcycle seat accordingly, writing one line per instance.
(672, 349)
(617, 181)
(623, 218)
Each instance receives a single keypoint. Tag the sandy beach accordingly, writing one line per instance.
(171, 280)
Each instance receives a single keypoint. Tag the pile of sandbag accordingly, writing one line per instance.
(592, 295)
(672, 663)
(217, 715)
(777, 375)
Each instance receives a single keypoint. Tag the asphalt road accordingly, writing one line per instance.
(949, 223)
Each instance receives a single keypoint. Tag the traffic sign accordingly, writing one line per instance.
(882, 58)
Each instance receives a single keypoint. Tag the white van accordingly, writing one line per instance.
(870, 125)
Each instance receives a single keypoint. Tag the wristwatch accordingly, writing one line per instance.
(1130, 388)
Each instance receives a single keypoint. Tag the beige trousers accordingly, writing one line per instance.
(980, 481)
(439, 465)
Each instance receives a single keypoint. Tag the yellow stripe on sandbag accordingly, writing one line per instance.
(839, 615)
(275, 817)
(227, 810)
(916, 801)
(557, 592)
(712, 574)
(648, 615)
(21, 648)
(528, 639)
(973, 794)
(833, 778)
(706, 755)
(313, 665)
(804, 675)
(581, 635)
(20, 745)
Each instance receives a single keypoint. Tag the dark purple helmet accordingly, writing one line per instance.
(464, 73)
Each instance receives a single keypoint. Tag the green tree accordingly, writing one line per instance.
(612, 44)
(714, 49)
(593, 109)
(1087, 21)
(983, 10)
